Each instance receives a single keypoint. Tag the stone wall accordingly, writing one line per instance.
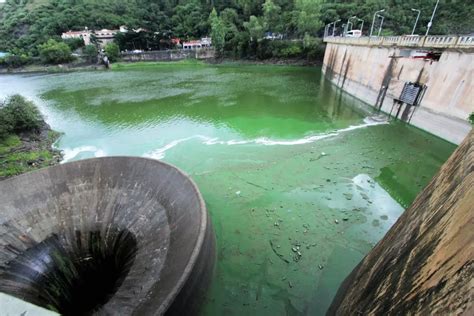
(376, 75)
(424, 265)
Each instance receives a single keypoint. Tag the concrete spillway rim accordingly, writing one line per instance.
(202, 229)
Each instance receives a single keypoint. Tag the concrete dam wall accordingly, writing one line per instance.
(424, 265)
(376, 73)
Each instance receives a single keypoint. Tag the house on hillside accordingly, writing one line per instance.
(105, 36)
(85, 35)
(196, 44)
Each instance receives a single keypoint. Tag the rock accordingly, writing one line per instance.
(336, 221)
(320, 267)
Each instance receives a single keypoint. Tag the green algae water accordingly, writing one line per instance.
(300, 179)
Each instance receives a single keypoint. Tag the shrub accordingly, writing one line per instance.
(90, 53)
(6, 126)
(291, 51)
(18, 114)
(471, 118)
(112, 51)
(53, 52)
(313, 47)
(15, 61)
(74, 43)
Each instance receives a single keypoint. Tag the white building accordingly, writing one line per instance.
(204, 42)
(105, 36)
(85, 35)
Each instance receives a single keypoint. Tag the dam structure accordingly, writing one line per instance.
(426, 81)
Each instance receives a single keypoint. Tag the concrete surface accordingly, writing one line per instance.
(159, 205)
(376, 75)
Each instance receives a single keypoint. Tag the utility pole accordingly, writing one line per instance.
(431, 20)
(416, 22)
(373, 21)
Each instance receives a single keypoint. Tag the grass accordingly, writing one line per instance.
(17, 158)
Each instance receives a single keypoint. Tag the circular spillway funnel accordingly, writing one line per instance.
(108, 236)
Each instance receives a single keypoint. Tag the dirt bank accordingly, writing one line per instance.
(28, 151)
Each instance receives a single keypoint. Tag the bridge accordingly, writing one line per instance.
(386, 71)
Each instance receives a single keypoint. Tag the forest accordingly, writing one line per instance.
(236, 26)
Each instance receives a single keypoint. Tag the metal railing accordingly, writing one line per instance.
(431, 41)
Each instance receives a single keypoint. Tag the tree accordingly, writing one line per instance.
(218, 32)
(255, 28)
(272, 16)
(308, 16)
(90, 53)
(53, 52)
(189, 20)
(74, 43)
(19, 115)
(112, 51)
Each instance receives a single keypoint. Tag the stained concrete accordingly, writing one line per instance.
(424, 265)
(382, 71)
(158, 204)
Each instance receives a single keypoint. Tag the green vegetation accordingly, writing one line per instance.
(90, 53)
(53, 52)
(23, 146)
(112, 51)
(18, 115)
(471, 118)
(237, 26)
(217, 31)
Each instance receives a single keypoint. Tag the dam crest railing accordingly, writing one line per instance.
(430, 41)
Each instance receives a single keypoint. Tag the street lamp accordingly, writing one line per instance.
(326, 29)
(334, 27)
(381, 23)
(416, 22)
(373, 21)
(431, 20)
(361, 26)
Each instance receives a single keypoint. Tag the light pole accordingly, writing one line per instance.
(334, 27)
(431, 20)
(373, 21)
(381, 23)
(361, 26)
(326, 29)
(346, 28)
(416, 22)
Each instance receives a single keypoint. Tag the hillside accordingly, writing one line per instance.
(27, 23)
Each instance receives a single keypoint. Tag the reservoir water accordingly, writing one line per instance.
(300, 179)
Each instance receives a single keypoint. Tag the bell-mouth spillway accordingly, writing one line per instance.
(107, 236)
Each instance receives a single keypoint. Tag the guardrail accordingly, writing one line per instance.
(431, 41)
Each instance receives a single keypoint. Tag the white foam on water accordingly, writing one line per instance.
(368, 121)
(160, 152)
(71, 153)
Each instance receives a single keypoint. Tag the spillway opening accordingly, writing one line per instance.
(73, 274)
